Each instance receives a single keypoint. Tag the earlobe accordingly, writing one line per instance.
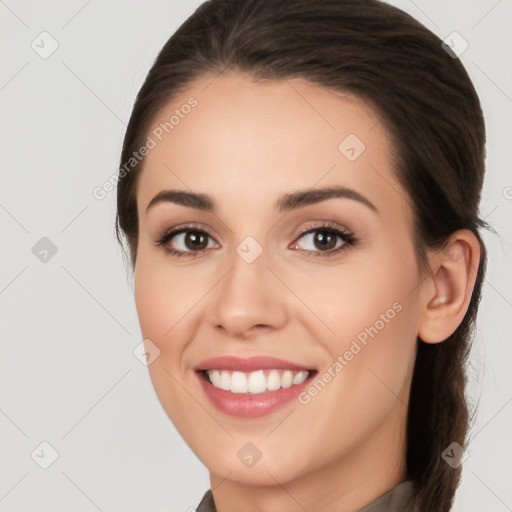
(447, 291)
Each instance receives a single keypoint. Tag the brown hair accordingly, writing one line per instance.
(434, 120)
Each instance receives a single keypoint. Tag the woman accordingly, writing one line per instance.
(299, 190)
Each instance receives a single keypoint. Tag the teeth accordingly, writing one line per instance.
(255, 382)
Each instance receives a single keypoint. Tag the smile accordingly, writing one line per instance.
(256, 382)
(252, 387)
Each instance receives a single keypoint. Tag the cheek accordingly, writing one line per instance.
(371, 313)
(162, 304)
(162, 300)
(362, 291)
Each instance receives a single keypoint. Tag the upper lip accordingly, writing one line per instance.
(249, 364)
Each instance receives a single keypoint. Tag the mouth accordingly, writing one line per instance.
(252, 387)
(257, 374)
(256, 382)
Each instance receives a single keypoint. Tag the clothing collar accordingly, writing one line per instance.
(397, 499)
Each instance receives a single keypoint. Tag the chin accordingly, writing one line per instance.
(265, 471)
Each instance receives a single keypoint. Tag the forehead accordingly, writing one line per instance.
(248, 142)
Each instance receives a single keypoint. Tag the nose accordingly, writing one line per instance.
(249, 299)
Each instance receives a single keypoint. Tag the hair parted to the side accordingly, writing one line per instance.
(432, 115)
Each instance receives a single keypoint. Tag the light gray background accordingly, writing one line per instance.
(68, 375)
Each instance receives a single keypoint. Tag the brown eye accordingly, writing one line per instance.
(320, 239)
(184, 241)
(195, 240)
(325, 240)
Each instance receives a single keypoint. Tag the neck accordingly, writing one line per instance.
(345, 484)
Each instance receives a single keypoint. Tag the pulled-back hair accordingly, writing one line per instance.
(433, 118)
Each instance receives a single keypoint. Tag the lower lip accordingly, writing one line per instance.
(247, 405)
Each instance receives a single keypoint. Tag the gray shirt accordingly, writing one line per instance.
(397, 499)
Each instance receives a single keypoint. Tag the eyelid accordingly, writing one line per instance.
(339, 231)
(348, 238)
(193, 226)
(318, 225)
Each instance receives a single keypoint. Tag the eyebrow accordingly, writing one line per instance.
(285, 203)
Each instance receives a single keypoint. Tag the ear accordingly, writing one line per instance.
(446, 293)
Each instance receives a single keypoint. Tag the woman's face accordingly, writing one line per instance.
(250, 283)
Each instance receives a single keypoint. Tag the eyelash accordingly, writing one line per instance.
(347, 237)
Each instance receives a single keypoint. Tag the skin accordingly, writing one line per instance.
(246, 143)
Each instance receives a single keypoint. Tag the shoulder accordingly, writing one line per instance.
(398, 499)
(206, 504)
